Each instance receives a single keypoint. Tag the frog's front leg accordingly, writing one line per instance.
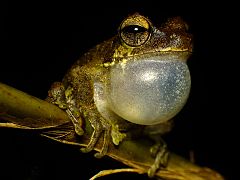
(76, 119)
(65, 99)
(58, 95)
(99, 125)
(81, 92)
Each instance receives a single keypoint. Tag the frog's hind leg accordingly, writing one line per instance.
(161, 154)
(58, 95)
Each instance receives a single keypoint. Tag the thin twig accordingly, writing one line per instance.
(113, 171)
(23, 111)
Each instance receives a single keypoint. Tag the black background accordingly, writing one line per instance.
(41, 39)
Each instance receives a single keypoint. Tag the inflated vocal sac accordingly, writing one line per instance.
(148, 91)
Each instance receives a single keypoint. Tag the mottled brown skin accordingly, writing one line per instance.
(76, 93)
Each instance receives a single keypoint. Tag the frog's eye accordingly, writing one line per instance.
(135, 30)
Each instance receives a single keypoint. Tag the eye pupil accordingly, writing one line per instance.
(134, 29)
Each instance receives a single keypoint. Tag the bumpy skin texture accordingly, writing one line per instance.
(81, 95)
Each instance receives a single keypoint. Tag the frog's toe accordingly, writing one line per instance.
(161, 158)
(88, 148)
(99, 155)
(85, 150)
(79, 130)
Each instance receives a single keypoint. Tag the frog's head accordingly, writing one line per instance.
(149, 81)
(138, 36)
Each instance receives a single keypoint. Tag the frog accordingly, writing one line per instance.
(137, 79)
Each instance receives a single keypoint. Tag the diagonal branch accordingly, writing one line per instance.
(20, 110)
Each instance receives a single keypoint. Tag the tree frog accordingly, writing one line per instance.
(138, 78)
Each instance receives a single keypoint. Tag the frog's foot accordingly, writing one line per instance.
(99, 127)
(161, 154)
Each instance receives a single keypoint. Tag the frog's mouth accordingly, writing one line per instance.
(158, 56)
(179, 55)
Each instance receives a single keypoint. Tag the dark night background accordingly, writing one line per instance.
(41, 39)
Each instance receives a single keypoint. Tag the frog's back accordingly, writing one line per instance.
(99, 54)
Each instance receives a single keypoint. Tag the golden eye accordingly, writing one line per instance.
(135, 30)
